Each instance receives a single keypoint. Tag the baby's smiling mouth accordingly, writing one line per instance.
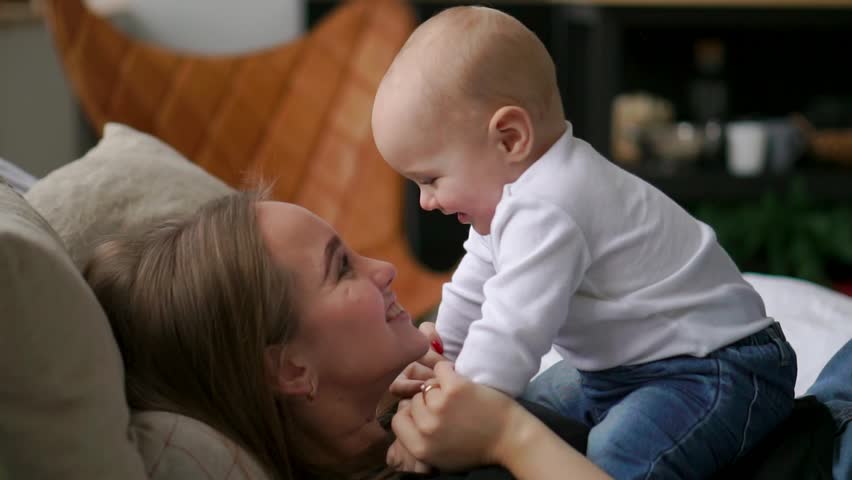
(460, 216)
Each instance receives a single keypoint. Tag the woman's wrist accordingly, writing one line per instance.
(531, 451)
(519, 432)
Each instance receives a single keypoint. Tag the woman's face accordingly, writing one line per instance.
(350, 324)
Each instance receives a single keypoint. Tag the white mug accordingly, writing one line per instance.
(746, 148)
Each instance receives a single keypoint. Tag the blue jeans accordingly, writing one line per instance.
(833, 387)
(681, 417)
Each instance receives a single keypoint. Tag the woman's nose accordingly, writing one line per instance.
(383, 273)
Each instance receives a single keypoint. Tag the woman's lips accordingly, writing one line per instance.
(396, 312)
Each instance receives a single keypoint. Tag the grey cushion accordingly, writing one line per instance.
(63, 412)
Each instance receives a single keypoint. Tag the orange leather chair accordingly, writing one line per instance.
(298, 113)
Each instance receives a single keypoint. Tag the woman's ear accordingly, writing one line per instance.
(511, 131)
(288, 373)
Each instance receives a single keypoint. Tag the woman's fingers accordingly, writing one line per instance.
(420, 467)
(417, 371)
(454, 423)
(423, 407)
(404, 387)
(399, 458)
(426, 406)
(406, 433)
(409, 381)
(393, 457)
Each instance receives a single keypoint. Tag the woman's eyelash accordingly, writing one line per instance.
(427, 181)
(345, 267)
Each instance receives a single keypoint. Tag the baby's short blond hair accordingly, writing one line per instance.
(483, 55)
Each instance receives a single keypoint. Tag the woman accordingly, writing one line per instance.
(254, 317)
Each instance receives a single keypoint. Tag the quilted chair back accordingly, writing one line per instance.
(297, 113)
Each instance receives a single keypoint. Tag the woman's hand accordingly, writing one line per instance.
(409, 382)
(456, 424)
(399, 458)
(406, 385)
(402, 460)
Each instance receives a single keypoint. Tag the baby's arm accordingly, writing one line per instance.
(541, 258)
(462, 298)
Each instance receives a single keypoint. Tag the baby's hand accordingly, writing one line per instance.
(435, 353)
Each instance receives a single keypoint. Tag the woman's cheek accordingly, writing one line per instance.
(363, 304)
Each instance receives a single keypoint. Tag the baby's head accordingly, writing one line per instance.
(468, 104)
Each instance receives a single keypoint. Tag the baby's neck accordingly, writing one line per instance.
(544, 140)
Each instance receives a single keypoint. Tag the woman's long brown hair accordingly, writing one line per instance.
(193, 303)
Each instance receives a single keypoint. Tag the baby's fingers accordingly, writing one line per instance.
(436, 350)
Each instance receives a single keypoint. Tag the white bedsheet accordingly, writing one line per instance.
(817, 321)
(19, 179)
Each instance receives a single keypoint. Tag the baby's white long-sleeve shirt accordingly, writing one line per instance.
(590, 259)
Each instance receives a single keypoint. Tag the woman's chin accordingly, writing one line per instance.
(421, 343)
(413, 342)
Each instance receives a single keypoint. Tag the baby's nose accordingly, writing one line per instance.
(427, 200)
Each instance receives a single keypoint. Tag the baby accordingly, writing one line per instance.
(673, 362)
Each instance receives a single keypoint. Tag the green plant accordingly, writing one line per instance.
(783, 234)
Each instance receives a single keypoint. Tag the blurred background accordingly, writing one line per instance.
(740, 110)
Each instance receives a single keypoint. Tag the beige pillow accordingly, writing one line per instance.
(63, 412)
(176, 447)
(127, 179)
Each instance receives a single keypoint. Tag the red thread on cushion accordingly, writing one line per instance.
(190, 455)
(165, 444)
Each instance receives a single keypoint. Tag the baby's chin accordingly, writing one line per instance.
(481, 229)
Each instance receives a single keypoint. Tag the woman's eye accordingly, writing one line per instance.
(345, 266)
(428, 181)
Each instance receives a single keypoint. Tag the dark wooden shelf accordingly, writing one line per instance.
(695, 185)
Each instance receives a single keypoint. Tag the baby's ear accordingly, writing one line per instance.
(287, 373)
(511, 131)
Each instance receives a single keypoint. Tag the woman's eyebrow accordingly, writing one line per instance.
(330, 247)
